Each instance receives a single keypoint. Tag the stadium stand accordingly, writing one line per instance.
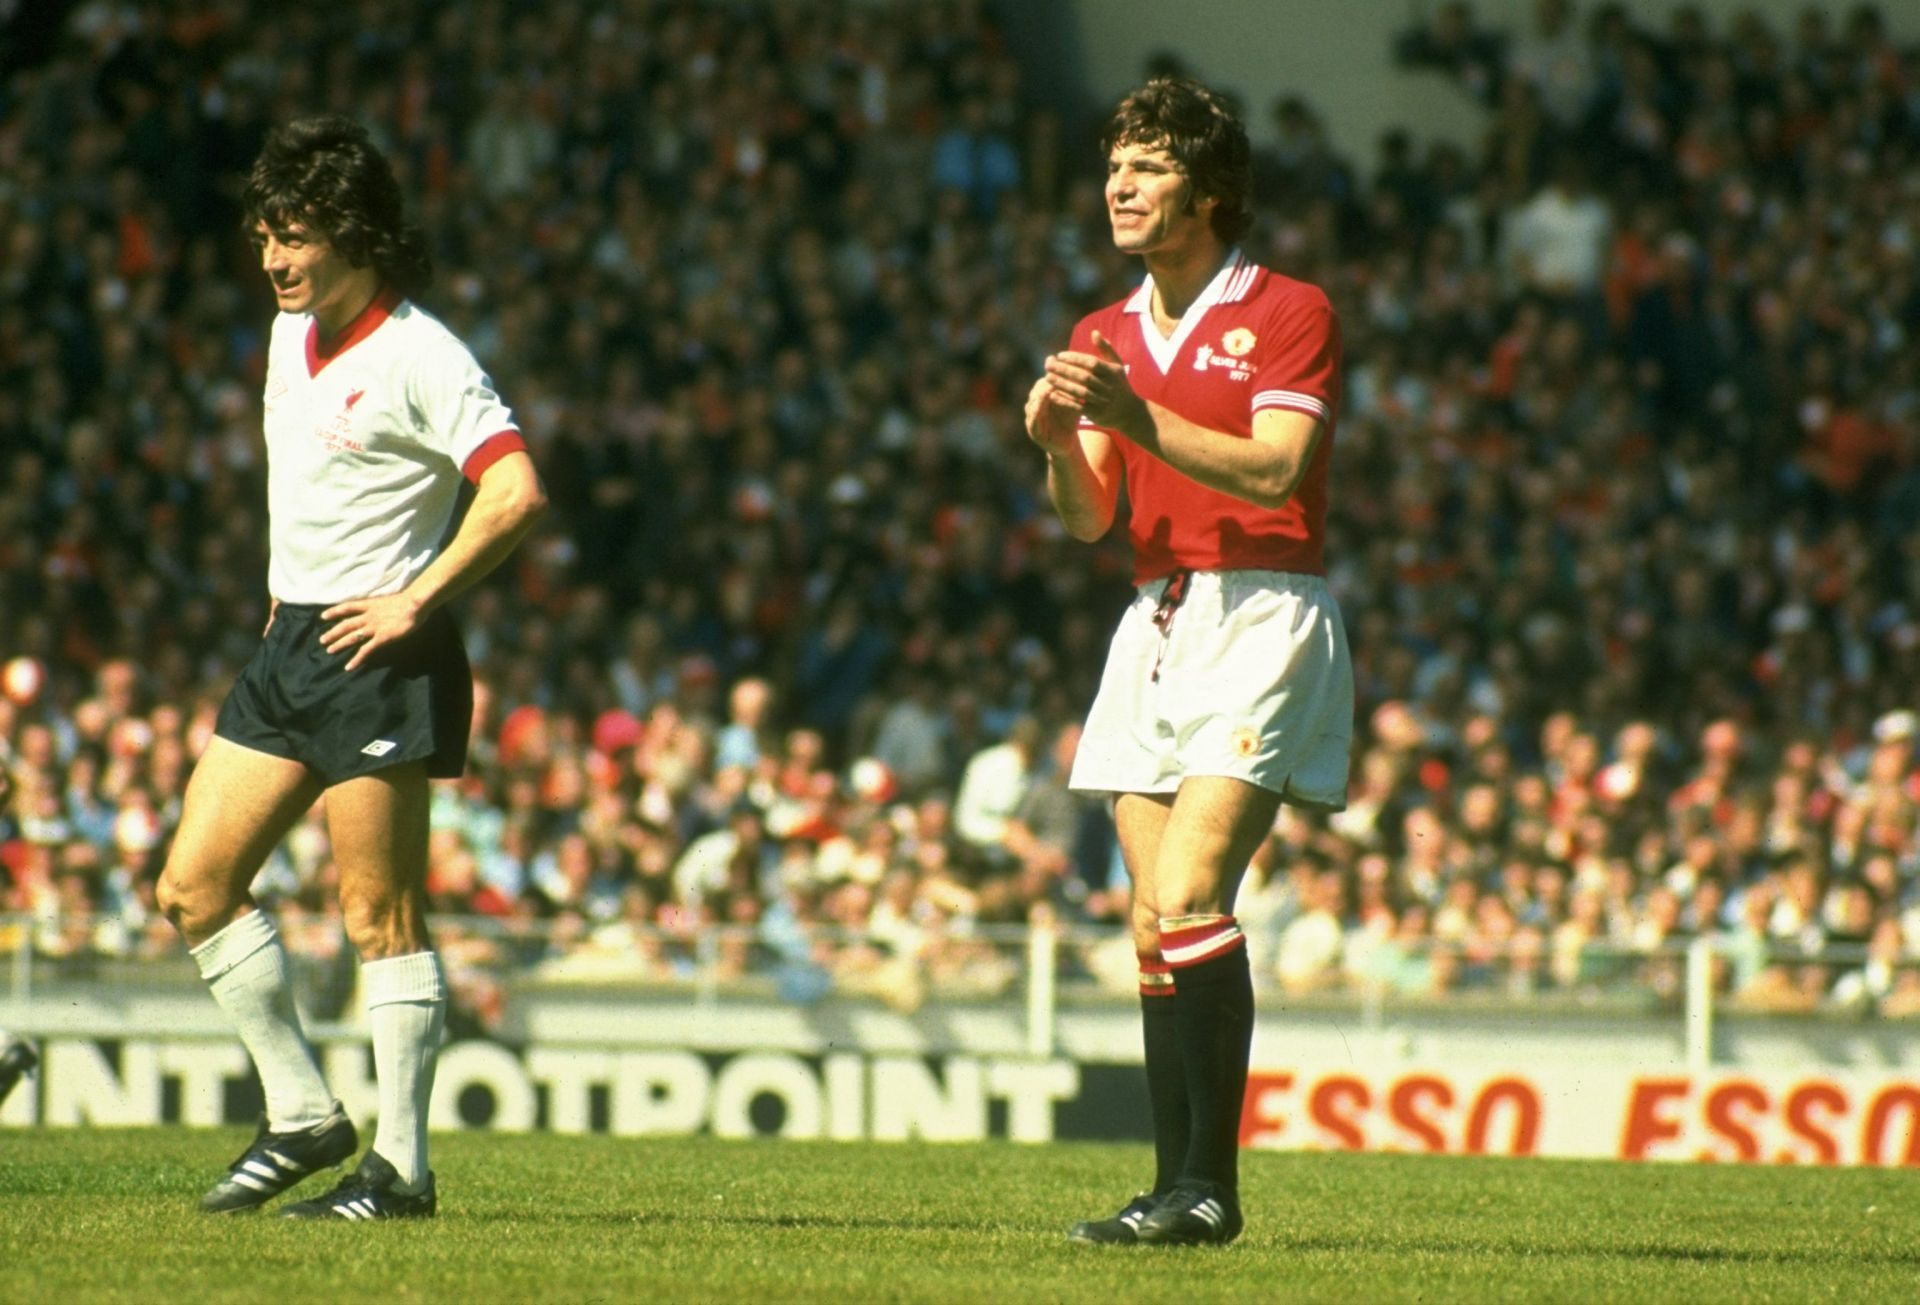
(1628, 533)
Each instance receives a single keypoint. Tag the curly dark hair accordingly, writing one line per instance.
(1203, 134)
(326, 174)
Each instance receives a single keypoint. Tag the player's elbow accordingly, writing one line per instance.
(525, 501)
(1085, 517)
(1274, 487)
(511, 493)
(1089, 530)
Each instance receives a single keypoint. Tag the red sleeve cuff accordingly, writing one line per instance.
(491, 450)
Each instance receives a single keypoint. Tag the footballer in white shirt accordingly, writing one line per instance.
(374, 415)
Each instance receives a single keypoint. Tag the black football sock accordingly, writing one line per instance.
(1213, 1017)
(1166, 1074)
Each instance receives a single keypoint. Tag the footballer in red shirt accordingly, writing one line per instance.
(1210, 394)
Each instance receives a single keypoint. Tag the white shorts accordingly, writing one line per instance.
(1248, 677)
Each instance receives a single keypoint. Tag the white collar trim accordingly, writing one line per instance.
(1229, 284)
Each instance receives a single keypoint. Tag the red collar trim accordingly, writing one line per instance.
(365, 323)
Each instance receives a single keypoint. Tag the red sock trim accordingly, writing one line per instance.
(1156, 977)
(1202, 940)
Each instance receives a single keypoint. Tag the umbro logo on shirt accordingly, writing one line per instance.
(380, 747)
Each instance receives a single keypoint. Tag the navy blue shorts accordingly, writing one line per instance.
(411, 700)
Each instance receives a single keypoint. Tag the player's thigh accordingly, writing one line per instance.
(239, 804)
(378, 827)
(1139, 819)
(1212, 831)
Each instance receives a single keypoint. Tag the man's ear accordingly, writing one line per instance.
(1198, 203)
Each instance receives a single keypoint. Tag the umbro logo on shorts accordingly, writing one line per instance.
(380, 747)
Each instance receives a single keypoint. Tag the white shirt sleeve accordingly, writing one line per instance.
(455, 403)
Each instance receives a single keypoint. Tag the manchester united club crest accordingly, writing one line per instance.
(1239, 342)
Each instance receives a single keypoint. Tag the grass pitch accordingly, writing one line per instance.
(108, 1215)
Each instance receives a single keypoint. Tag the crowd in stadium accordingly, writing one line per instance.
(1625, 513)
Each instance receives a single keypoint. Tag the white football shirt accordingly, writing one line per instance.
(366, 446)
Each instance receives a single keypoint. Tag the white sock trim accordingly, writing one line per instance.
(233, 944)
(415, 978)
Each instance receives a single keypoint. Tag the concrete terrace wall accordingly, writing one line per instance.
(1338, 55)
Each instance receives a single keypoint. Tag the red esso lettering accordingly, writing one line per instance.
(1811, 1128)
(1733, 1109)
(1899, 1101)
(1515, 1099)
(1337, 1105)
(1650, 1120)
(1405, 1106)
(1262, 1117)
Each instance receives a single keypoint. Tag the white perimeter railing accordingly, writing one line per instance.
(489, 961)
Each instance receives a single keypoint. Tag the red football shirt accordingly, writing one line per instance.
(1253, 339)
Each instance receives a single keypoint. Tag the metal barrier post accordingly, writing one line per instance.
(1700, 1005)
(706, 978)
(1043, 945)
(23, 962)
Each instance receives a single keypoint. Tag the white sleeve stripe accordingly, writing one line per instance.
(1290, 399)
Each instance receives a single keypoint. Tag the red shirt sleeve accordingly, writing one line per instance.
(1300, 358)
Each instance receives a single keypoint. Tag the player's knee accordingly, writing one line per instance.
(190, 902)
(1193, 902)
(167, 895)
(367, 917)
(379, 923)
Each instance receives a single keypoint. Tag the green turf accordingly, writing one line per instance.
(108, 1215)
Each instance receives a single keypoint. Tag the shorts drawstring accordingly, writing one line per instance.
(1170, 599)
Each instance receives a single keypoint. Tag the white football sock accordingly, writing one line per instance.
(246, 968)
(407, 1010)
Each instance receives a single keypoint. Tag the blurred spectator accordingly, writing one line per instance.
(994, 785)
(1556, 242)
(1311, 944)
(1454, 43)
(741, 739)
(911, 739)
(1552, 57)
(975, 160)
